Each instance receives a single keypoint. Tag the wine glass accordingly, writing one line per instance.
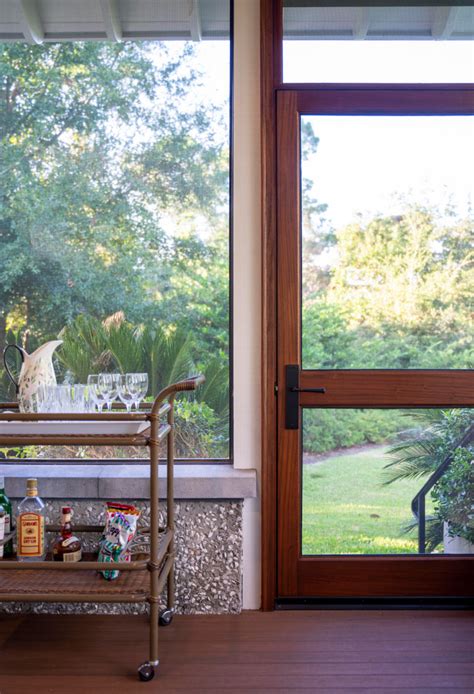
(124, 392)
(108, 385)
(138, 386)
(97, 395)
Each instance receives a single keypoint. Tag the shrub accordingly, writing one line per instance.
(421, 455)
(326, 430)
(453, 495)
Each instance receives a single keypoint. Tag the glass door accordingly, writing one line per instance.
(376, 434)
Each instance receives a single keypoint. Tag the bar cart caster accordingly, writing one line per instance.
(166, 617)
(146, 672)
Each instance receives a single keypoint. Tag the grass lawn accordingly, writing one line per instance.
(346, 510)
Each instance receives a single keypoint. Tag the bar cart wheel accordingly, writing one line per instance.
(146, 672)
(166, 617)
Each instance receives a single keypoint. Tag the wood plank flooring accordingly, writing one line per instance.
(416, 652)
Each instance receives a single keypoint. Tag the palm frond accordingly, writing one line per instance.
(215, 390)
(433, 532)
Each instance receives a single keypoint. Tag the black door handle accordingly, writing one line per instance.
(295, 389)
(292, 400)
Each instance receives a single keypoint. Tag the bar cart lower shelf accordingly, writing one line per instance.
(144, 577)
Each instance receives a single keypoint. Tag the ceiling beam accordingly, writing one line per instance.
(113, 25)
(195, 22)
(361, 26)
(30, 21)
(443, 22)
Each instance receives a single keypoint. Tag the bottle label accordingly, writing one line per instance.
(73, 556)
(7, 523)
(69, 541)
(30, 534)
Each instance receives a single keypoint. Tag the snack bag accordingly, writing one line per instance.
(120, 528)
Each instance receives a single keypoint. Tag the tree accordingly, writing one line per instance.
(411, 271)
(96, 152)
(317, 233)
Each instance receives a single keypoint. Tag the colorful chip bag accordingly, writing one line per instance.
(120, 528)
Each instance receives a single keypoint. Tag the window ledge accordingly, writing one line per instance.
(129, 481)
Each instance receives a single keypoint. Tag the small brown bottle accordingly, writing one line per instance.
(67, 546)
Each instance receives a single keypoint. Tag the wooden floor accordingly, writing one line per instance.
(310, 651)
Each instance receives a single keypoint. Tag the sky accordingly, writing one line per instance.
(378, 61)
(372, 165)
(365, 164)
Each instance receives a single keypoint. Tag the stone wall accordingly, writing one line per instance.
(208, 560)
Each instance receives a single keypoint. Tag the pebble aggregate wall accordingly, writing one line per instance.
(208, 559)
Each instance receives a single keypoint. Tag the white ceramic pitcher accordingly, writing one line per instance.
(36, 370)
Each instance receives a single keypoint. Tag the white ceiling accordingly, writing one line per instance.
(397, 22)
(54, 20)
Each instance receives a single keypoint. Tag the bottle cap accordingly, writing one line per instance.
(65, 509)
(32, 487)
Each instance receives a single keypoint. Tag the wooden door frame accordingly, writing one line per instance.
(335, 576)
(271, 76)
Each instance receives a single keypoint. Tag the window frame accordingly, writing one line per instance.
(229, 460)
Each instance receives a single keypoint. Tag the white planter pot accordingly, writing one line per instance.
(456, 544)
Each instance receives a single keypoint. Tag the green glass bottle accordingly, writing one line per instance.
(5, 502)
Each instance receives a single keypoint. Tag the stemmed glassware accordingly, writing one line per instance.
(108, 385)
(101, 391)
(124, 392)
(97, 395)
(138, 386)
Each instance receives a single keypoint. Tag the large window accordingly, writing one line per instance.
(114, 213)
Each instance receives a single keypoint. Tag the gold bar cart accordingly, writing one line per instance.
(145, 576)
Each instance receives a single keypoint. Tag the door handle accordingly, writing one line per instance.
(294, 389)
(292, 400)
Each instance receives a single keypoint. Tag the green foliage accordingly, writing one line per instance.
(397, 295)
(327, 430)
(167, 355)
(327, 340)
(409, 278)
(453, 495)
(436, 436)
(100, 147)
(423, 452)
(199, 432)
(19, 453)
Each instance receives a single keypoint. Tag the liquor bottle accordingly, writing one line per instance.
(5, 502)
(30, 525)
(2, 528)
(67, 546)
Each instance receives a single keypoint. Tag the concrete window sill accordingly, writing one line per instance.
(60, 481)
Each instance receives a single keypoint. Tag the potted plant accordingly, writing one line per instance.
(420, 454)
(453, 497)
